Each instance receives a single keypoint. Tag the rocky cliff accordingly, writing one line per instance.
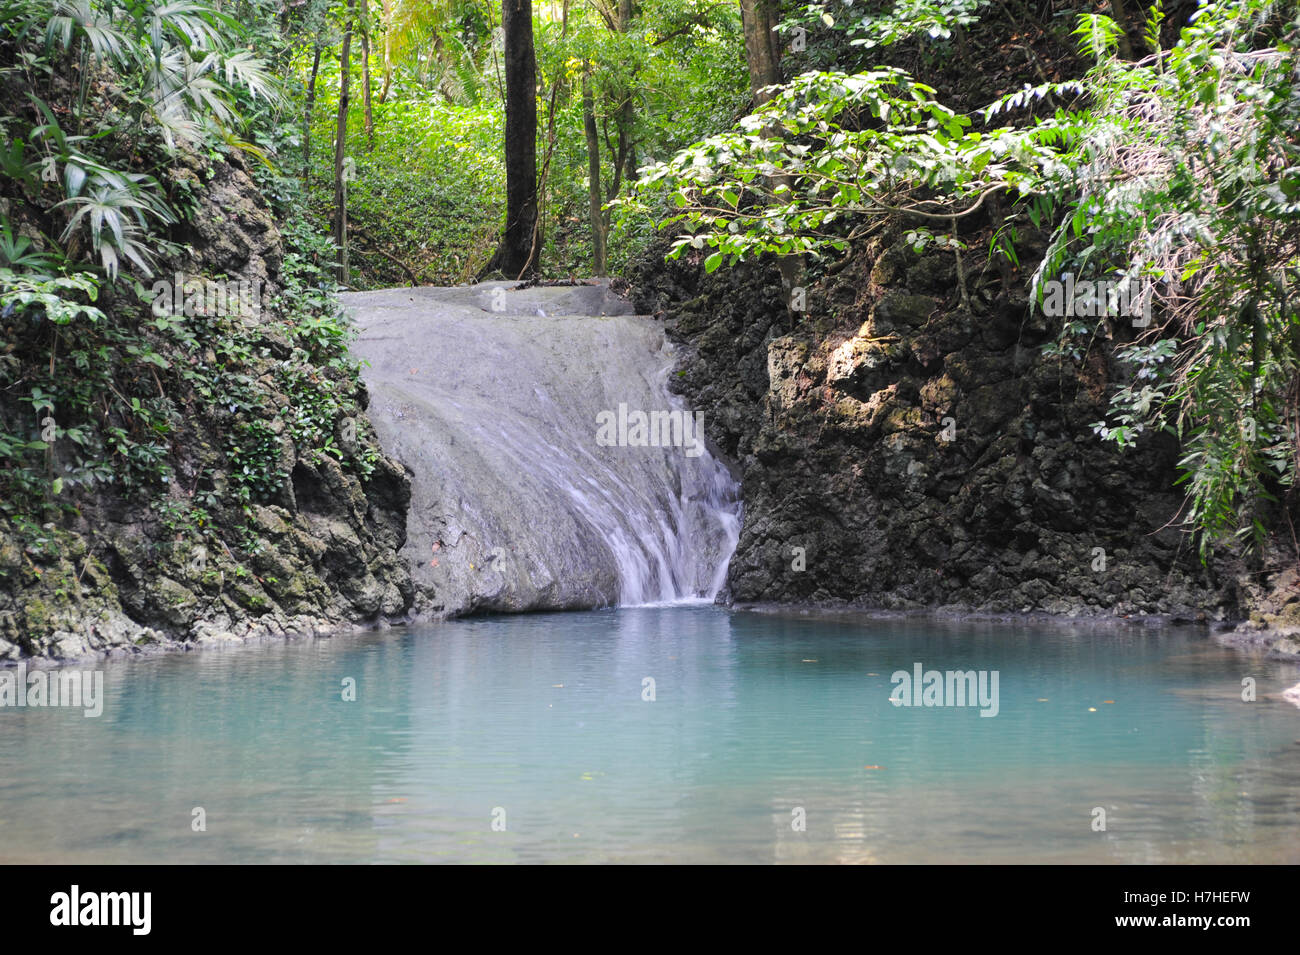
(257, 405)
(904, 446)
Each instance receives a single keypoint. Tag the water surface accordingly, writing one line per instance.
(754, 717)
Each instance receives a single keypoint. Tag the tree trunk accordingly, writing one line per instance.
(517, 253)
(387, 16)
(340, 145)
(557, 90)
(365, 74)
(1120, 9)
(306, 118)
(759, 19)
(593, 172)
(622, 155)
(627, 112)
(763, 56)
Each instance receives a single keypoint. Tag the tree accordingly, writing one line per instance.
(626, 157)
(762, 53)
(593, 176)
(365, 74)
(314, 24)
(307, 110)
(386, 15)
(517, 253)
(340, 147)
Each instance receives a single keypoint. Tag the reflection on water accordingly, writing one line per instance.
(754, 717)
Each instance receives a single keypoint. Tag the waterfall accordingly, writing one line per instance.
(551, 465)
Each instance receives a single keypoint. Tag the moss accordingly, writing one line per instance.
(37, 615)
(251, 598)
(11, 557)
(1289, 616)
(294, 589)
(901, 419)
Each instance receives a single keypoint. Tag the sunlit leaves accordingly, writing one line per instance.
(1098, 33)
(902, 20)
(55, 298)
(805, 170)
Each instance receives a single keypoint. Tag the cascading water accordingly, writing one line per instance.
(536, 483)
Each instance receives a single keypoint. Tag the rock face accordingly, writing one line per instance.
(898, 450)
(492, 398)
(188, 563)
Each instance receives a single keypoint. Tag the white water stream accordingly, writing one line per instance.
(495, 400)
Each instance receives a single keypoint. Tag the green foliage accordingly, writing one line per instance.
(810, 168)
(426, 192)
(104, 418)
(176, 71)
(905, 19)
(99, 394)
(254, 453)
(429, 192)
(53, 299)
(1178, 176)
(107, 85)
(1184, 184)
